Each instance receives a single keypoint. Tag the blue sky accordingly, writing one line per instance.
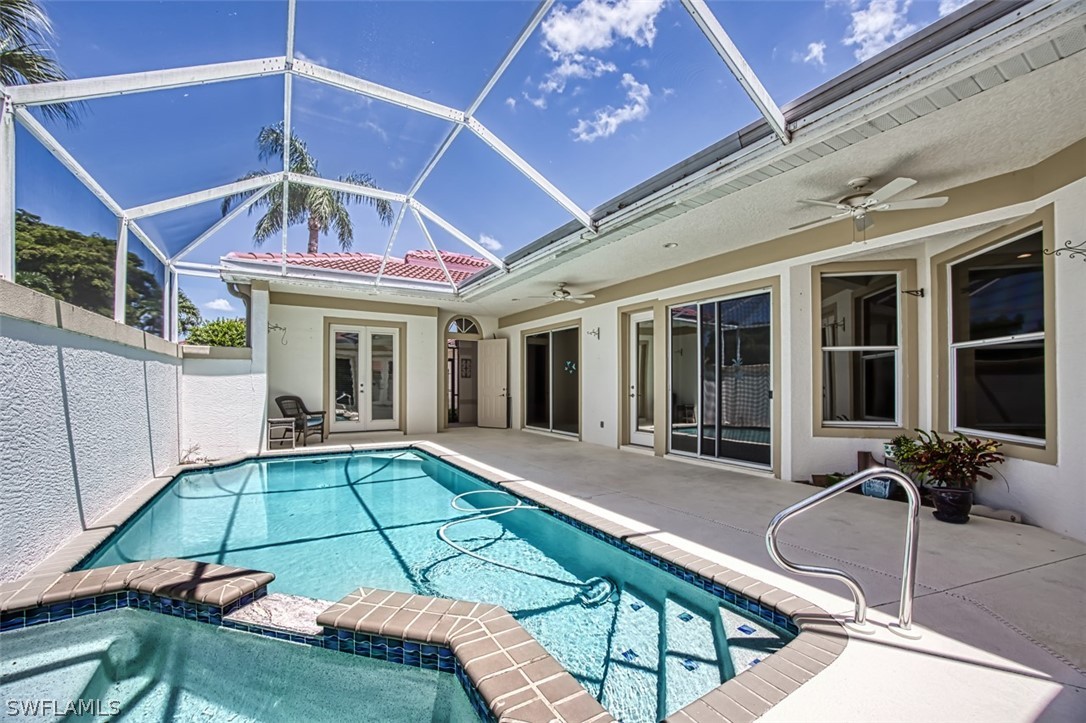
(605, 94)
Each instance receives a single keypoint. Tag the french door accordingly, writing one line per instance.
(363, 378)
(721, 379)
(640, 374)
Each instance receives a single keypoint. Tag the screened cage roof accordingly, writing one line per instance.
(484, 126)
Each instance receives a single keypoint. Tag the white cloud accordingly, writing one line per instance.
(574, 66)
(540, 102)
(511, 102)
(489, 242)
(219, 305)
(607, 120)
(572, 37)
(946, 7)
(597, 24)
(876, 25)
(376, 128)
(815, 55)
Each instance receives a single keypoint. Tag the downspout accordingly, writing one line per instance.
(236, 290)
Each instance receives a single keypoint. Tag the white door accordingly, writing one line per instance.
(493, 383)
(363, 378)
(640, 374)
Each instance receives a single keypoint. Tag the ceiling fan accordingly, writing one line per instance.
(561, 293)
(860, 202)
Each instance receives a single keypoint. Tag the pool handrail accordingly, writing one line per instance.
(912, 529)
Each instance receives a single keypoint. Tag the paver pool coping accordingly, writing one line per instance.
(529, 681)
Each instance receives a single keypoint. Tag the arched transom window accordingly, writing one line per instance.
(463, 325)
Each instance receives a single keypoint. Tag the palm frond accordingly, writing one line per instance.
(26, 57)
(24, 22)
(383, 207)
(270, 224)
(341, 222)
(269, 142)
(232, 200)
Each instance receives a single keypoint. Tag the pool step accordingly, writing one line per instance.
(749, 642)
(691, 663)
(630, 684)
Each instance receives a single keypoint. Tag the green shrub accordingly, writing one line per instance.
(220, 332)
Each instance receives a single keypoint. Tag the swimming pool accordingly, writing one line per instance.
(150, 667)
(643, 641)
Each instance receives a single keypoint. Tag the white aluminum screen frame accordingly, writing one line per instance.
(16, 100)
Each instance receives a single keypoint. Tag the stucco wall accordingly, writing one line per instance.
(83, 421)
(1052, 496)
(223, 400)
(297, 366)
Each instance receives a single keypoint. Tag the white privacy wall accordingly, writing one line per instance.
(223, 400)
(83, 422)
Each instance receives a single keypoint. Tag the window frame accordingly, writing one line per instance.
(954, 346)
(906, 364)
(945, 392)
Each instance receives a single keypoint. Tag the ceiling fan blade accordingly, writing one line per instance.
(540, 297)
(890, 190)
(575, 300)
(584, 296)
(828, 204)
(863, 222)
(934, 202)
(819, 222)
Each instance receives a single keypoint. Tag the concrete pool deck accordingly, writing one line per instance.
(1001, 605)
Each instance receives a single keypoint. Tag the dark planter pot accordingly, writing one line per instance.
(951, 505)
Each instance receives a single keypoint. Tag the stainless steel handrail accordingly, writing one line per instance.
(908, 575)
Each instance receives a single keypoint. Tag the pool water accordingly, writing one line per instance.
(146, 666)
(328, 524)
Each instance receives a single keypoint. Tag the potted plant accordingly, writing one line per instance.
(948, 468)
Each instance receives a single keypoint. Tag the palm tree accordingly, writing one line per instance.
(25, 54)
(322, 209)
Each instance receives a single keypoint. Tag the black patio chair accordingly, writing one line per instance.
(306, 423)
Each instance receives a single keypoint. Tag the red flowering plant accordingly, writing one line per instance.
(954, 463)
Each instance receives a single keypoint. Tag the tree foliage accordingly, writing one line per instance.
(219, 332)
(321, 209)
(78, 268)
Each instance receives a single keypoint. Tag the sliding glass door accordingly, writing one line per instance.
(721, 379)
(552, 388)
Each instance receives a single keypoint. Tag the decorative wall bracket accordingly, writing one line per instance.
(1072, 250)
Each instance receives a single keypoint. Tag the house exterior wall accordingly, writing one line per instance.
(297, 366)
(1049, 495)
(88, 411)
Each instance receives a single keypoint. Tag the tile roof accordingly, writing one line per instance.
(420, 265)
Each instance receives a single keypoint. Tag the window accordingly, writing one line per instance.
(462, 325)
(861, 349)
(997, 341)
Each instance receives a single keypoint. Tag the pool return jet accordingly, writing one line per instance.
(591, 593)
